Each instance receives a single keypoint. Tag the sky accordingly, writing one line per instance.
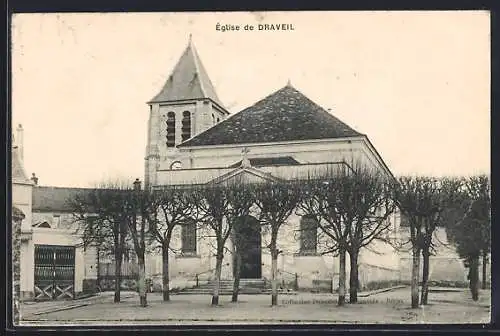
(417, 83)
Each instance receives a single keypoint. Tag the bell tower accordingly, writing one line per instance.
(186, 106)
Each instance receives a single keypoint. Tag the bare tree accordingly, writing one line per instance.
(276, 202)
(445, 192)
(176, 210)
(479, 189)
(365, 205)
(141, 210)
(102, 221)
(212, 205)
(471, 233)
(420, 200)
(320, 199)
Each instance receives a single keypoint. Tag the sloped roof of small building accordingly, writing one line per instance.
(189, 80)
(18, 172)
(55, 199)
(285, 115)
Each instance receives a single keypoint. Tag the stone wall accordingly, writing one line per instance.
(374, 273)
(445, 265)
(22, 199)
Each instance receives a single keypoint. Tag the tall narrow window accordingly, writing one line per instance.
(171, 129)
(308, 235)
(189, 238)
(186, 125)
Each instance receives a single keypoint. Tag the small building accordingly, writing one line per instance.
(53, 262)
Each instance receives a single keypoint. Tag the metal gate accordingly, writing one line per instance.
(54, 272)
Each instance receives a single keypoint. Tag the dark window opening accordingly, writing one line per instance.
(171, 129)
(186, 125)
(189, 238)
(308, 235)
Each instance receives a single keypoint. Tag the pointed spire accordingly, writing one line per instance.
(188, 80)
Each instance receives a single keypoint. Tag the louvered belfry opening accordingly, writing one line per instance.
(186, 125)
(171, 129)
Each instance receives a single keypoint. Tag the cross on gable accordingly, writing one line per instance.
(244, 161)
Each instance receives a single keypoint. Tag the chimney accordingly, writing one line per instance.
(137, 184)
(34, 179)
(20, 141)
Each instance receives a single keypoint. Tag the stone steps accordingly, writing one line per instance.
(247, 286)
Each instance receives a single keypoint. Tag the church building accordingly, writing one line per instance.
(193, 139)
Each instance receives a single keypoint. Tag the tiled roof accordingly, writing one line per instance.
(285, 115)
(55, 199)
(270, 161)
(18, 173)
(188, 80)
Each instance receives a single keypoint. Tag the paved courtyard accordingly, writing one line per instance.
(387, 307)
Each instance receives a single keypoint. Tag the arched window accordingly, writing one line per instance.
(186, 125)
(218, 120)
(189, 238)
(171, 129)
(308, 235)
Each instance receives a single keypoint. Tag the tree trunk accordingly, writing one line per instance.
(425, 276)
(118, 274)
(237, 273)
(353, 278)
(274, 276)
(485, 262)
(218, 271)
(142, 279)
(165, 275)
(414, 277)
(342, 277)
(474, 277)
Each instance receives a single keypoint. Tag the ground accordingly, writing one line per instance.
(387, 307)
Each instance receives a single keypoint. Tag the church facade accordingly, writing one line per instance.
(193, 139)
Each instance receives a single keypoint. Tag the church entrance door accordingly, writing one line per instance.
(248, 236)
